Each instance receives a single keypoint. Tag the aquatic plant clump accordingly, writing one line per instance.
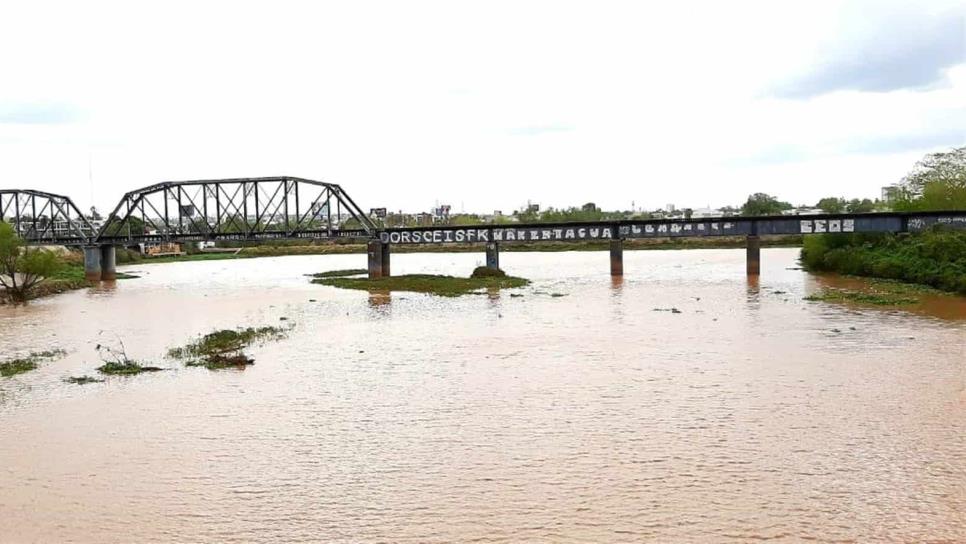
(81, 380)
(486, 272)
(340, 273)
(125, 368)
(20, 365)
(445, 286)
(223, 349)
(878, 299)
(117, 362)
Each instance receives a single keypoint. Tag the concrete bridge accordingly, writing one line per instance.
(273, 208)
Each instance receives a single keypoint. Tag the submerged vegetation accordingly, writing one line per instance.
(117, 362)
(224, 348)
(340, 273)
(81, 380)
(30, 362)
(878, 292)
(845, 295)
(445, 286)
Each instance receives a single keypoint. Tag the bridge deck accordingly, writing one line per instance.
(675, 228)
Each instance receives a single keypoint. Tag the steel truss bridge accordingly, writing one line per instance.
(271, 208)
(248, 209)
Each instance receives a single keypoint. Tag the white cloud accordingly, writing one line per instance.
(484, 105)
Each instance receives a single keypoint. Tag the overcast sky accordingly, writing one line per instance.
(482, 105)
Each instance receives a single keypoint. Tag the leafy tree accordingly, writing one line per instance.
(860, 206)
(762, 204)
(831, 204)
(22, 268)
(937, 182)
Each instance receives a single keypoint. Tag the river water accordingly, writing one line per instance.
(598, 416)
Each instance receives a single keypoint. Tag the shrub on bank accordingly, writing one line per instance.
(936, 258)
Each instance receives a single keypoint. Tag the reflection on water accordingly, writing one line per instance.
(746, 414)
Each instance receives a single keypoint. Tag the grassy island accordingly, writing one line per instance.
(445, 286)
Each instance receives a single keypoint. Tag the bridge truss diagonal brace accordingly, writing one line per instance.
(39, 217)
(236, 209)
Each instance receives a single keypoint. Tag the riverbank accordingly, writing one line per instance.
(935, 258)
(69, 278)
(280, 249)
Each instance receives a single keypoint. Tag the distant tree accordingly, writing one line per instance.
(465, 219)
(22, 268)
(860, 206)
(831, 204)
(763, 204)
(688, 212)
(589, 207)
(937, 182)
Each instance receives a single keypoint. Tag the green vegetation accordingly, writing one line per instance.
(116, 361)
(41, 271)
(841, 205)
(340, 273)
(481, 272)
(126, 368)
(81, 380)
(762, 204)
(223, 349)
(860, 297)
(445, 286)
(20, 365)
(23, 268)
(937, 182)
(936, 258)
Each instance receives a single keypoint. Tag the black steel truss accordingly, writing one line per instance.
(236, 209)
(44, 218)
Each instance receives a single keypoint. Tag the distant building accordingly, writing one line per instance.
(699, 213)
(442, 213)
(803, 211)
(424, 219)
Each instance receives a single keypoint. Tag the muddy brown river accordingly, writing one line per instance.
(600, 416)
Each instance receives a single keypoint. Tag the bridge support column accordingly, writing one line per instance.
(92, 263)
(493, 255)
(753, 255)
(617, 258)
(378, 259)
(108, 263)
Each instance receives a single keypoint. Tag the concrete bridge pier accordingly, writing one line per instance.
(753, 255)
(378, 259)
(92, 263)
(493, 255)
(617, 258)
(108, 263)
